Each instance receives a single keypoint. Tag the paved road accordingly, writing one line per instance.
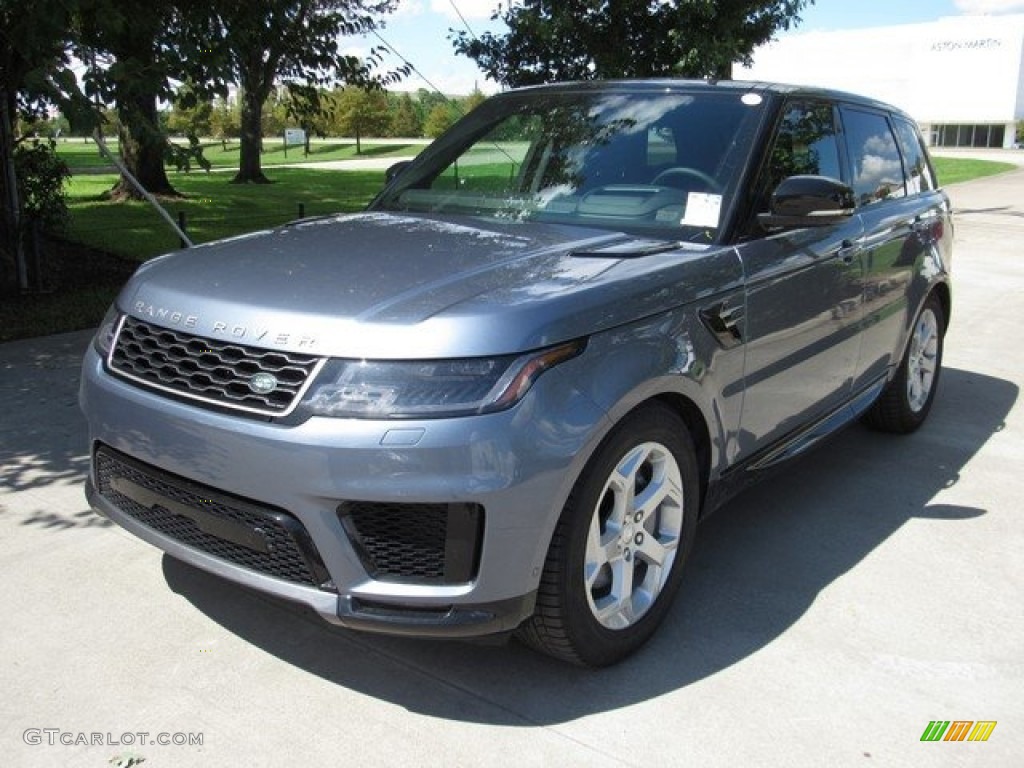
(827, 617)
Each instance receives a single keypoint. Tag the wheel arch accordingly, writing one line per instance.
(942, 291)
(557, 626)
(682, 406)
(693, 418)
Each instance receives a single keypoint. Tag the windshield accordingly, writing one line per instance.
(662, 163)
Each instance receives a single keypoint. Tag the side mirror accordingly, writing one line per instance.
(808, 201)
(392, 172)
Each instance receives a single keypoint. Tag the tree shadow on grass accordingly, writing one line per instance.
(758, 566)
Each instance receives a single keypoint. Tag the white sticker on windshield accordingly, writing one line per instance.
(702, 209)
(751, 99)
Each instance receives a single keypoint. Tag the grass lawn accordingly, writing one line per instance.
(274, 152)
(952, 170)
(213, 207)
(80, 155)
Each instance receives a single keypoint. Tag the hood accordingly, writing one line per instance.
(394, 286)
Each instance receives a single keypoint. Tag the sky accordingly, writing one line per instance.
(420, 30)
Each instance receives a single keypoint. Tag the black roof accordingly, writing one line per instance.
(748, 86)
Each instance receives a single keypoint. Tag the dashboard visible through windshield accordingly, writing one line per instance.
(660, 162)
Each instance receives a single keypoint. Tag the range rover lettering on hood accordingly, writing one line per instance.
(237, 331)
(164, 315)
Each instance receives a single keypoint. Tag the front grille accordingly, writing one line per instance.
(416, 543)
(260, 538)
(213, 371)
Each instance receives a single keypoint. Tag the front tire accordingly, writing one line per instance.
(904, 404)
(616, 557)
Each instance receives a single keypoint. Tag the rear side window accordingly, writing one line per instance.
(915, 163)
(874, 158)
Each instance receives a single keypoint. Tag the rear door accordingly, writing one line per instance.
(899, 208)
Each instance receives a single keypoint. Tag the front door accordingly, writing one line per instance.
(804, 295)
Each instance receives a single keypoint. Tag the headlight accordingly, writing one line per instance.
(104, 338)
(400, 389)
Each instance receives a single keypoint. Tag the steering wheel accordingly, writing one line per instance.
(680, 172)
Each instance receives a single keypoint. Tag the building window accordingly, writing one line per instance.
(968, 135)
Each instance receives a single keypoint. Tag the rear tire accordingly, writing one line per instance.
(906, 401)
(617, 554)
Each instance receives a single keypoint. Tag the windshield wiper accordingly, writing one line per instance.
(631, 249)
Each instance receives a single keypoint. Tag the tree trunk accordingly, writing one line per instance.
(142, 142)
(10, 226)
(250, 170)
(142, 148)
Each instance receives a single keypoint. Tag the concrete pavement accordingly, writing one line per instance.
(827, 617)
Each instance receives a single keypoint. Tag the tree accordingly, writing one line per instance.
(191, 114)
(474, 100)
(440, 119)
(405, 120)
(274, 115)
(295, 43)
(225, 121)
(589, 39)
(35, 73)
(135, 48)
(362, 112)
(312, 108)
(425, 102)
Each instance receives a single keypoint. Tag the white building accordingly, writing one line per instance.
(961, 78)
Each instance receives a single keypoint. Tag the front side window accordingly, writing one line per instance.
(805, 144)
(659, 162)
(875, 160)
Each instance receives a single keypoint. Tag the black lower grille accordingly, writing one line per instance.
(263, 539)
(416, 543)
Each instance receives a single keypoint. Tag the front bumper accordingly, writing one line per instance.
(463, 620)
(516, 467)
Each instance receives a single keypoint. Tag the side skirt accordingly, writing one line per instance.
(749, 471)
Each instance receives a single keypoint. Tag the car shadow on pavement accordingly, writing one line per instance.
(757, 567)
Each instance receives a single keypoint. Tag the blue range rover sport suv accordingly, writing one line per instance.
(502, 397)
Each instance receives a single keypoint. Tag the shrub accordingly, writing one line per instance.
(41, 177)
